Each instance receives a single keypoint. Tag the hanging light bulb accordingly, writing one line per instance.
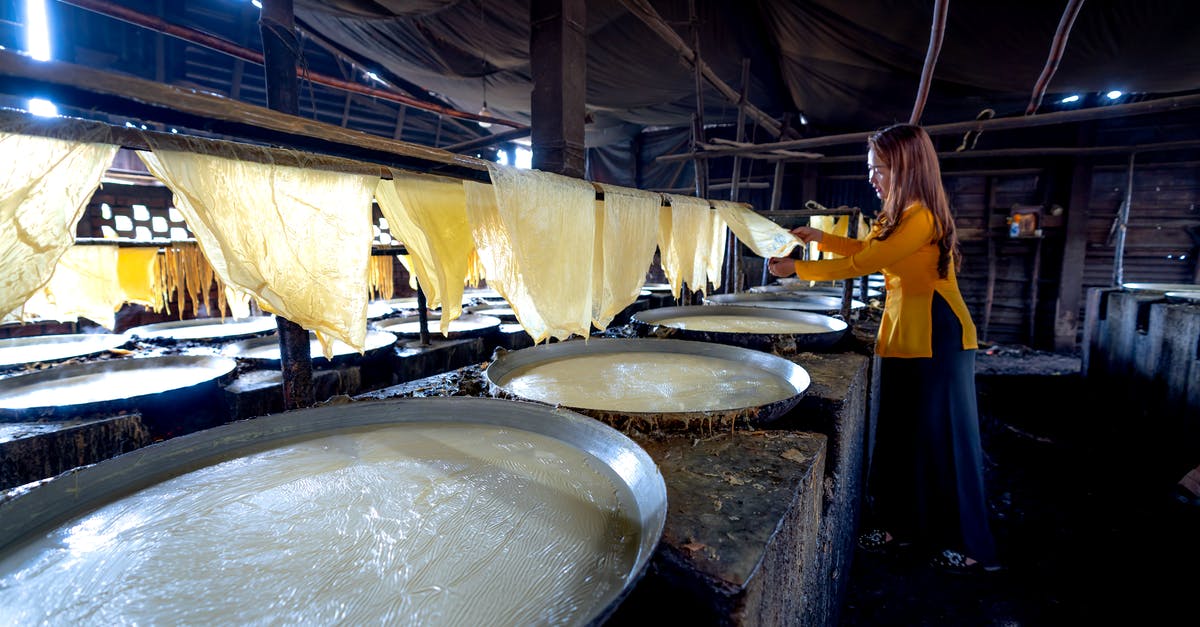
(487, 113)
(484, 110)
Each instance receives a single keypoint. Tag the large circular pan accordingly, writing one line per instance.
(59, 504)
(48, 348)
(653, 384)
(804, 290)
(206, 329)
(657, 288)
(264, 351)
(779, 331)
(100, 387)
(465, 326)
(1161, 287)
(822, 304)
(1183, 297)
(505, 313)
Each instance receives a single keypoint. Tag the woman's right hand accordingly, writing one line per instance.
(808, 234)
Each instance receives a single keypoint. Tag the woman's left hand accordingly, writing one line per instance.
(781, 266)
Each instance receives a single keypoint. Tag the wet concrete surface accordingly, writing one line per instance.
(1086, 527)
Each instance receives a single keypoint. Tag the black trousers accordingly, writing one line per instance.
(926, 482)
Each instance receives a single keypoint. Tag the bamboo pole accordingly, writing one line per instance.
(1048, 151)
(1057, 46)
(733, 249)
(936, 32)
(691, 58)
(1160, 105)
(1123, 228)
(148, 101)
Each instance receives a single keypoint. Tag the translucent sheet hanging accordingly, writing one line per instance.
(685, 243)
(626, 234)
(428, 214)
(838, 225)
(297, 239)
(535, 233)
(716, 248)
(139, 277)
(46, 185)
(183, 271)
(85, 284)
(761, 235)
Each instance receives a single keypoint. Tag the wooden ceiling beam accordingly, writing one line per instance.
(651, 18)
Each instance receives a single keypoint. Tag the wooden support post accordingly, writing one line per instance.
(988, 232)
(776, 201)
(422, 316)
(283, 95)
(698, 117)
(733, 251)
(1070, 289)
(558, 58)
(1123, 227)
(346, 111)
(848, 285)
(399, 132)
(1033, 290)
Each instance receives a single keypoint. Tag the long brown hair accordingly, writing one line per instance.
(915, 176)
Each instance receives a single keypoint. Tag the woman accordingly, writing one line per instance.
(926, 483)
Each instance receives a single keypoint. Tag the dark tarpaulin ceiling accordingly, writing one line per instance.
(847, 66)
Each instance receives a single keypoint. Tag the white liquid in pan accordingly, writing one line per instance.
(218, 329)
(27, 350)
(94, 387)
(741, 324)
(411, 524)
(649, 382)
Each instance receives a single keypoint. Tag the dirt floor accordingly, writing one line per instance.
(1085, 522)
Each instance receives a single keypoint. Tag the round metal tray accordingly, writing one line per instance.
(504, 314)
(1161, 287)
(824, 304)
(657, 288)
(265, 350)
(648, 324)
(206, 329)
(1183, 297)
(502, 369)
(104, 386)
(804, 290)
(45, 348)
(641, 492)
(465, 326)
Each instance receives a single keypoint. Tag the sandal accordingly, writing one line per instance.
(956, 563)
(878, 541)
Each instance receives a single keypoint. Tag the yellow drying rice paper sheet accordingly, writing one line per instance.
(137, 272)
(84, 285)
(428, 214)
(716, 248)
(758, 233)
(535, 233)
(47, 183)
(626, 235)
(685, 237)
(297, 239)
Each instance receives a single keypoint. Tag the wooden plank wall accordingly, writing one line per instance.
(1158, 249)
